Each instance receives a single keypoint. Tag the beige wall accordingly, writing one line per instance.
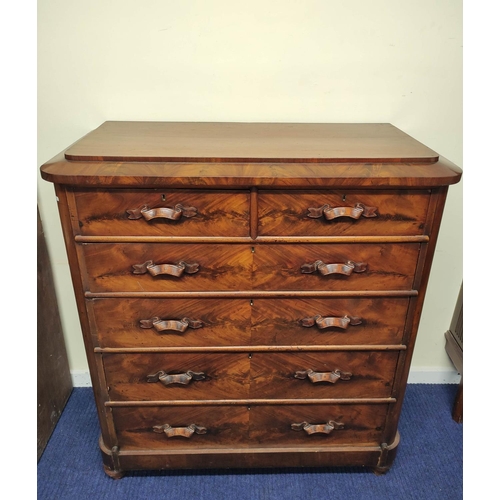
(396, 61)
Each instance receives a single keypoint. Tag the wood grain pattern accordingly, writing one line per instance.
(226, 376)
(252, 322)
(225, 323)
(219, 142)
(278, 321)
(374, 175)
(219, 213)
(248, 427)
(264, 217)
(236, 267)
(221, 267)
(273, 375)
(248, 375)
(363, 424)
(397, 213)
(226, 426)
(277, 267)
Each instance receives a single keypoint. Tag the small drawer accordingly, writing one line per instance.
(172, 322)
(258, 426)
(342, 213)
(335, 266)
(156, 267)
(154, 212)
(318, 375)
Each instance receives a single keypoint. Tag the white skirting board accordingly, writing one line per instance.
(430, 375)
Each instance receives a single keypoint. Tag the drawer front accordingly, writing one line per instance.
(219, 376)
(338, 321)
(337, 213)
(237, 322)
(184, 267)
(335, 266)
(207, 267)
(199, 427)
(150, 212)
(317, 375)
(172, 322)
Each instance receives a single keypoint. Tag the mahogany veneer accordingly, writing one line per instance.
(249, 293)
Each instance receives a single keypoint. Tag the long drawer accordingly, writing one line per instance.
(342, 213)
(171, 212)
(198, 427)
(238, 322)
(183, 267)
(220, 376)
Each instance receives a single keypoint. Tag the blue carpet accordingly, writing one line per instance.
(428, 465)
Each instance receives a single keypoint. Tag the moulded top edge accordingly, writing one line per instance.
(249, 142)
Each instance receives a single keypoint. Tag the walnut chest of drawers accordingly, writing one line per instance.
(249, 294)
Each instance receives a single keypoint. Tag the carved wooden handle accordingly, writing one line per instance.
(331, 322)
(162, 325)
(178, 378)
(176, 270)
(330, 377)
(186, 432)
(161, 213)
(325, 269)
(318, 428)
(334, 212)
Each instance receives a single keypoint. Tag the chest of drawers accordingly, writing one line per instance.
(249, 294)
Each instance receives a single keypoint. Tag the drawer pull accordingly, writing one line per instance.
(174, 325)
(330, 377)
(186, 432)
(176, 270)
(318, 428)
(331, 322)
(325, 269)
(179, 378)
(161, 213)
(335, 212)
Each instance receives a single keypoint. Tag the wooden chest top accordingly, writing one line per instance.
(292, 155)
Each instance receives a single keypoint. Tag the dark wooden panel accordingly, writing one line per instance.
(225, 426)
(218, 213)
(397, 213)
(274, 376)
(266, 175)
(184, 141)
(242, 267)
(226, 376)
(362, 425)
(54, 383)
(249, 375)
(389, 266)
(279, 321)
(224, 322)
(250, 427)
(238, 322)
(221, 267)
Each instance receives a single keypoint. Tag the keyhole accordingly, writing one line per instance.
(163, 197)
(343, 197)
